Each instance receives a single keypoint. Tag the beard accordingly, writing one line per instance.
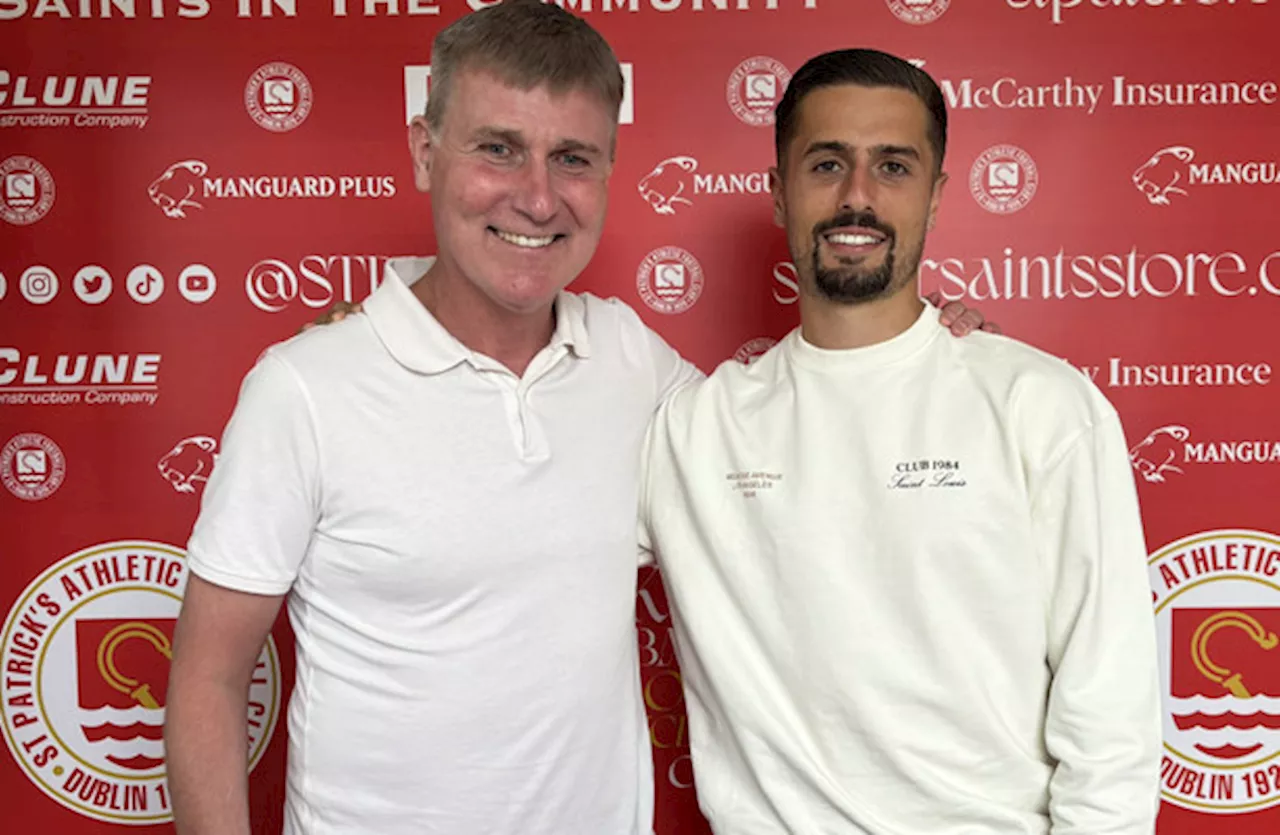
(851, 283)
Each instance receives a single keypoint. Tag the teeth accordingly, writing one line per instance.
(525, 240)
(853, 240)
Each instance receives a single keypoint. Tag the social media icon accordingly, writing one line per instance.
(145, 284)
(92, 284)
(38, 285)
(197, 283)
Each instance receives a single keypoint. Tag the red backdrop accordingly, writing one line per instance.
(183, 182)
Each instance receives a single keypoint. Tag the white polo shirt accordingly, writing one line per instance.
(458, 547)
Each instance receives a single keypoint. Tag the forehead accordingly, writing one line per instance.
(481, 98)
(857, 116)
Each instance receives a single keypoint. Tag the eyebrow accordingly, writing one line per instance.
(835, 146)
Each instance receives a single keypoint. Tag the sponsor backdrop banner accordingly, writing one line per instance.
(183, 182)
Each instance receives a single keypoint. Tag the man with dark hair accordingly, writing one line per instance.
(463, 666)
(907, 573)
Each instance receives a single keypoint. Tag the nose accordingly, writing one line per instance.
(858, 189)
(535, 195)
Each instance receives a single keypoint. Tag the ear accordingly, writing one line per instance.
(779, 201)
(935, 199)
(421, 147)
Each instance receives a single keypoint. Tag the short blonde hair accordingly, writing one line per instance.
(525, 44)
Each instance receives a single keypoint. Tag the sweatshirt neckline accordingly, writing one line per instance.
(923, 331)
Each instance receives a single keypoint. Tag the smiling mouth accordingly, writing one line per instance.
(526, 241)
(859, 239)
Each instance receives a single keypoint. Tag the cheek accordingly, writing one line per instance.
(588, 202)
(471, 191)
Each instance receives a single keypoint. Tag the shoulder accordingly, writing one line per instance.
(613, 326)
(1049, 403)
(732, 386)
(323, 354)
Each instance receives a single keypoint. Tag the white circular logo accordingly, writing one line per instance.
(144, 283)
(197, 283)
(38, 285)
(1217, 608)
(278, 96)
(92, 284)
(918, 12)
(753, 350)
(32, 466)
(86, 653)
(26, 190)
(4, 286)
(1003, 179)
(754, 88)
(669, 280)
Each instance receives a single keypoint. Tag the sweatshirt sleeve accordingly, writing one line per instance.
(1103, 725)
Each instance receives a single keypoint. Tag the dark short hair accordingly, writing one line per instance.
(866, 68)
(526, 44)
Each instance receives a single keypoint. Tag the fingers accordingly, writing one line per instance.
(934, 298)
(992, 327)
(967, 322)
(951, 313)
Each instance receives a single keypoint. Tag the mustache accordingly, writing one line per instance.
(867, 220)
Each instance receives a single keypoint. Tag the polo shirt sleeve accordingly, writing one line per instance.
(261, 503)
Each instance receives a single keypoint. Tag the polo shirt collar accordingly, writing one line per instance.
(419, 342)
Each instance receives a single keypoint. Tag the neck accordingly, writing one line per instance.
(835, 326)
(511, 338)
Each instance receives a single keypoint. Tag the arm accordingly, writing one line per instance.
(259, 510)
(1104, 717)
(216, 644)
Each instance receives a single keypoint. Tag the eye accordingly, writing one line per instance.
(827, 166)
(895, 169)
(574, 160)
(496, 149)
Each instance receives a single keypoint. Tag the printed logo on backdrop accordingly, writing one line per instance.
(675, 181)
(661, 681)
(1167, 450)
(107, 379)
(1057, 7)
(1003, 179)
(755, 86)
(1132, 274)
(754, 349)
(189, 463)
(87, 647)
(278, 97)
(1217, 609)
(1171, 171)
(38, 285)
(317, 281)
(60, 101)
(179, 190)
(93, 284)
(417, 86)
(669, 280)
(918, 12)
(26, 190)
(1070, 93)
(32, 466)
